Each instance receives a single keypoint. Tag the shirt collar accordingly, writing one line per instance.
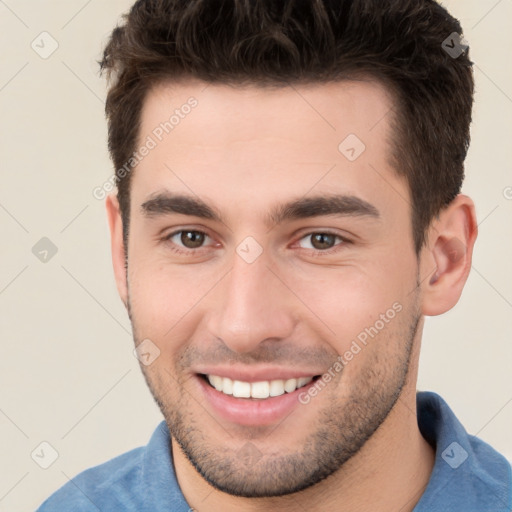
(158, 478)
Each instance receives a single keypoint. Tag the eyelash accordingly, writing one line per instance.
(179, 250)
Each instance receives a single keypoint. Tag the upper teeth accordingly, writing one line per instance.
(263, 389)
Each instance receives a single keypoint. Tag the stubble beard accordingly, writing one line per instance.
(342, 429)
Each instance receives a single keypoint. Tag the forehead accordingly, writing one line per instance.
(327, 110)
(265, 141)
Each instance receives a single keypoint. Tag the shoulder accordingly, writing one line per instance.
(141, 480)
(479, 477)
(116, 482)
(492, 472)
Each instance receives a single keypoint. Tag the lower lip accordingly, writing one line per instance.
(252, 412)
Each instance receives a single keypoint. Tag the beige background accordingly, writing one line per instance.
(67, 373)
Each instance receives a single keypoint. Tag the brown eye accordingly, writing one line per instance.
(321, 241)
(188, 242)
(192, 239)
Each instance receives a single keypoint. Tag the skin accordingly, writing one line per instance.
(355, 446)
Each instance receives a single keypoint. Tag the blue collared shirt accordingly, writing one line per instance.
(468, 475)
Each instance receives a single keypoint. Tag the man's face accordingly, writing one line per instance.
(266, 292)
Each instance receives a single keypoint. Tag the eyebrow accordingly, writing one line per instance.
(165, 203)
(316, 206)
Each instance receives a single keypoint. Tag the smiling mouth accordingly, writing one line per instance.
(256, 390)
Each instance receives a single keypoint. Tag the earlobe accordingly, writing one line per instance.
(117, 245)
(448, 254)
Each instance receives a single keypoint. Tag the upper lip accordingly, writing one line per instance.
(256, 374)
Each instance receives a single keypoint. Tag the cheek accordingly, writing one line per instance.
(348, 300)
(164, 298)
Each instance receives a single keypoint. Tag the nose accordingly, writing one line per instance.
(251, 305)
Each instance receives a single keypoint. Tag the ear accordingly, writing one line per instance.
(446, 258)
(115, 223)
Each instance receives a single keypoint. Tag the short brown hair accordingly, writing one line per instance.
(397, 42)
